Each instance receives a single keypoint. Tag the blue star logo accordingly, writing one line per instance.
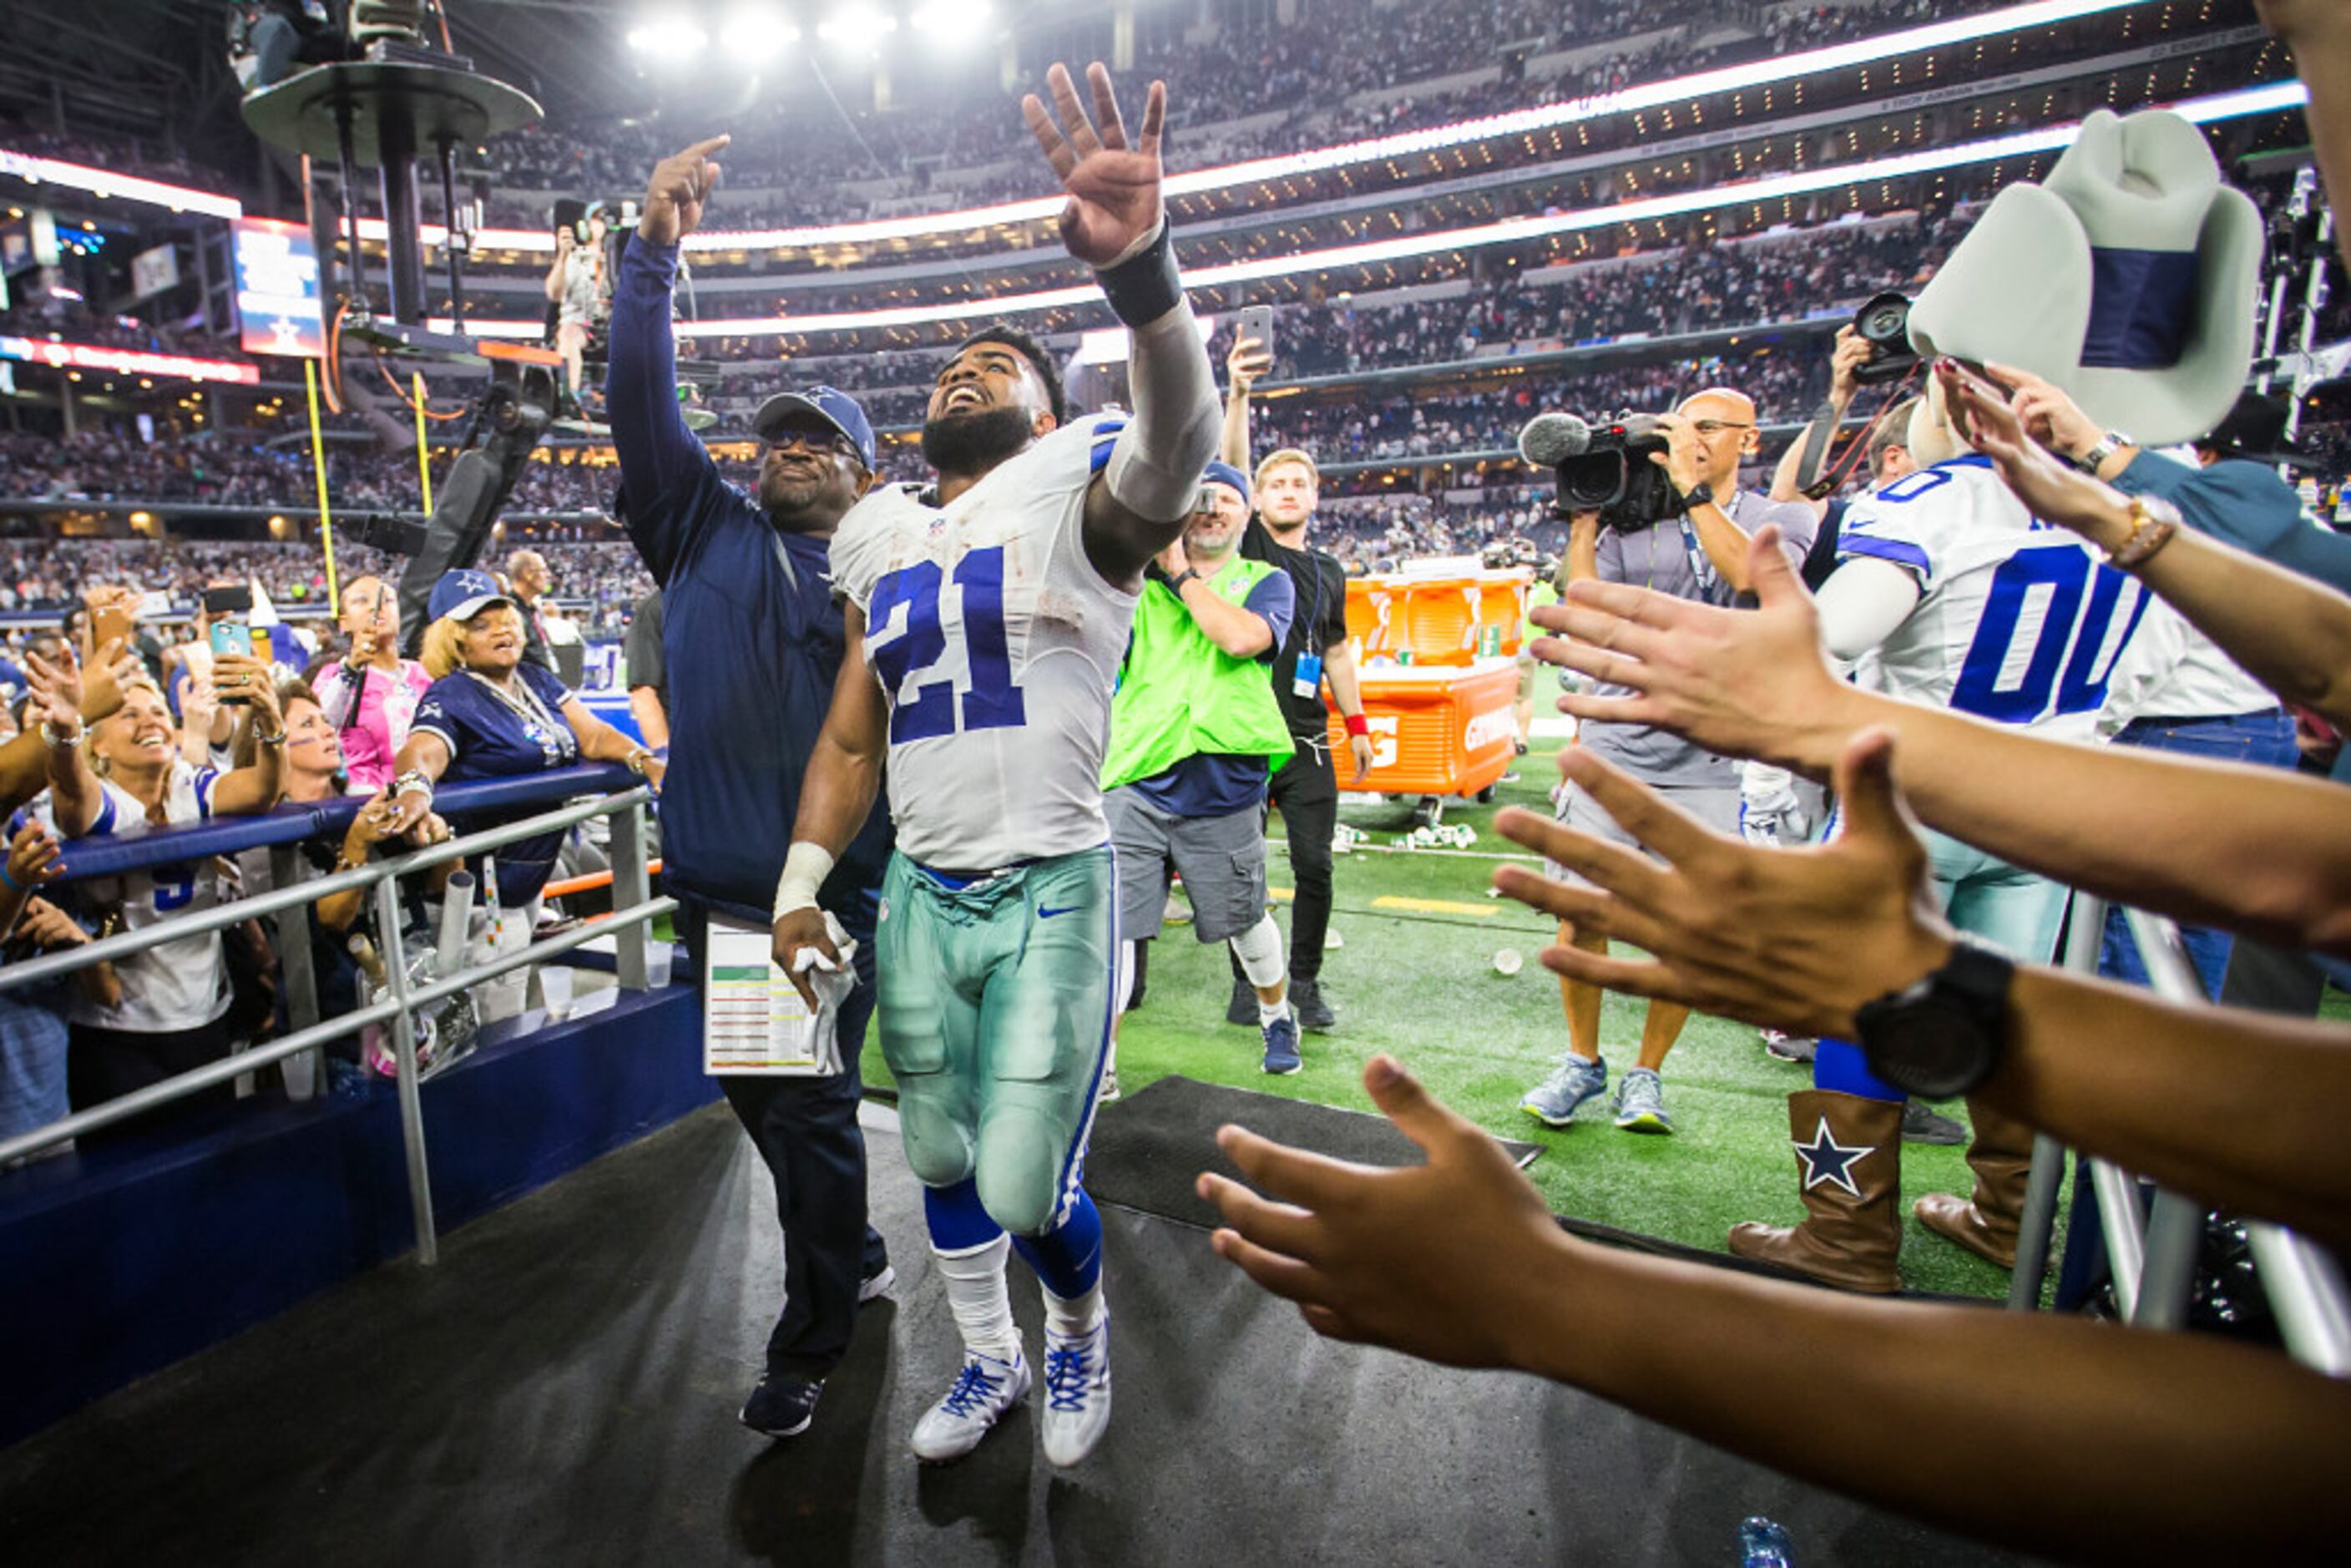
(1830, 1163)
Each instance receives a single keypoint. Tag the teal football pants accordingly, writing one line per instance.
(995, 1007)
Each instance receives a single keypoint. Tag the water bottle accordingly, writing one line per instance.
(1764, 1544)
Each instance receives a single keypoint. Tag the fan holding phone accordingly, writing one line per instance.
(371, 695)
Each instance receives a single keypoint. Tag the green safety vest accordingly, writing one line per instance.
(1181, 695)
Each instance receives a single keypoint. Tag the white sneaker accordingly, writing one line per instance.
(1077, 1393)
(875, 1286)
(984, 1389)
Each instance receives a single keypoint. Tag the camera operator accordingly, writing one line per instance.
(577, 284)
(1698, 552)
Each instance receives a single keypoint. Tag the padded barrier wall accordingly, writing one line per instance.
(117, 1262)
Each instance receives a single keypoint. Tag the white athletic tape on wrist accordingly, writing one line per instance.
(806, 866)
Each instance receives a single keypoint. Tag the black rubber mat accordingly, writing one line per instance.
(1150, 1147)
(561, 1389)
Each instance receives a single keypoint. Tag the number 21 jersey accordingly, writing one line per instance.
(2016, 621)
(998, 645)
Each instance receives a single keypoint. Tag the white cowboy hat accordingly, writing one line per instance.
(2130, 277)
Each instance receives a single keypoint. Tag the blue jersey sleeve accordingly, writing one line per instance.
(1274, 600)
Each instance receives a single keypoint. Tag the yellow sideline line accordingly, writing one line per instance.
(1436, 906)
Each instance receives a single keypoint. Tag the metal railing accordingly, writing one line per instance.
(2152, 1249)
(621, 796)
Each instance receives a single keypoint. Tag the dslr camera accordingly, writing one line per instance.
(1884, 323)
(1604, 467)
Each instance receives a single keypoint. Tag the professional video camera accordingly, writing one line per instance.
(1604, 467)
(1884, 323)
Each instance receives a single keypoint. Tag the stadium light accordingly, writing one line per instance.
(755, 34)
(950, 22)
(669, 42)
(855, 27)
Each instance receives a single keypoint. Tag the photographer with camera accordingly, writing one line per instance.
(1863, 357)
(1654, 502)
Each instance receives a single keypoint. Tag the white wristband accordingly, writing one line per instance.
(805, 868)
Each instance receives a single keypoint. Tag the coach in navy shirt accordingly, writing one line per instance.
(753, 639)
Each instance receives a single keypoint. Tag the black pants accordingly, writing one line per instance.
(806, 1130)
(1307, 791)
(104, 1064)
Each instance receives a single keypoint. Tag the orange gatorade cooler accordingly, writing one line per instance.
(1436, 662)
(1437, 730)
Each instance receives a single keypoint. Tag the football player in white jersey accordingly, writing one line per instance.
(987, 616)
(1970, 603)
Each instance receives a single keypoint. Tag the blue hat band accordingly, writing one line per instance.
(2142, 308)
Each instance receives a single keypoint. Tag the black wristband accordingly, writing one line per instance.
(1146, 285)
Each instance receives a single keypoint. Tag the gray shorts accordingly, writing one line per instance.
(1716, 808)
(1220, 859)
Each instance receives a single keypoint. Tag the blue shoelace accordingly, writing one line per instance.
(973, 1389)
(1067, 1374)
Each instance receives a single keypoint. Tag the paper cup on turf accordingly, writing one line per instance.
(1507, 962)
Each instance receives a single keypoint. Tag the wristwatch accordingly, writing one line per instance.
(1942, 1035)
(1698, 495)
(1175, 583)
(2105, 446)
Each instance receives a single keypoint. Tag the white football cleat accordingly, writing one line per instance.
(984, 1390)
(1077, 1393)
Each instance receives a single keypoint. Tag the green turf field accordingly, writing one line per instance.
(1422, 985)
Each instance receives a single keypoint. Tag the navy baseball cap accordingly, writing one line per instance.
(1219, 473)
(829, 404)
(462, 595)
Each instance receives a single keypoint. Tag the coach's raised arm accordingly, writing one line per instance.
(660, 460)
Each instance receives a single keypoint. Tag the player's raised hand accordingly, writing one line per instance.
(1113, 187)
(675, 194)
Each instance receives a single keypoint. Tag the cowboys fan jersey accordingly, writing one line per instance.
(997, 644)
(2016, 621)
(175, 985)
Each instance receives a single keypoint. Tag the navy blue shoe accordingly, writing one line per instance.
(1281, 1057)
(783, 1404)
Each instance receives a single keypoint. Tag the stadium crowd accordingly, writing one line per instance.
(1721, 709)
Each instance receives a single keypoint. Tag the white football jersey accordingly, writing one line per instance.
(997, 644)
(176, 984)
(2016, 621)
